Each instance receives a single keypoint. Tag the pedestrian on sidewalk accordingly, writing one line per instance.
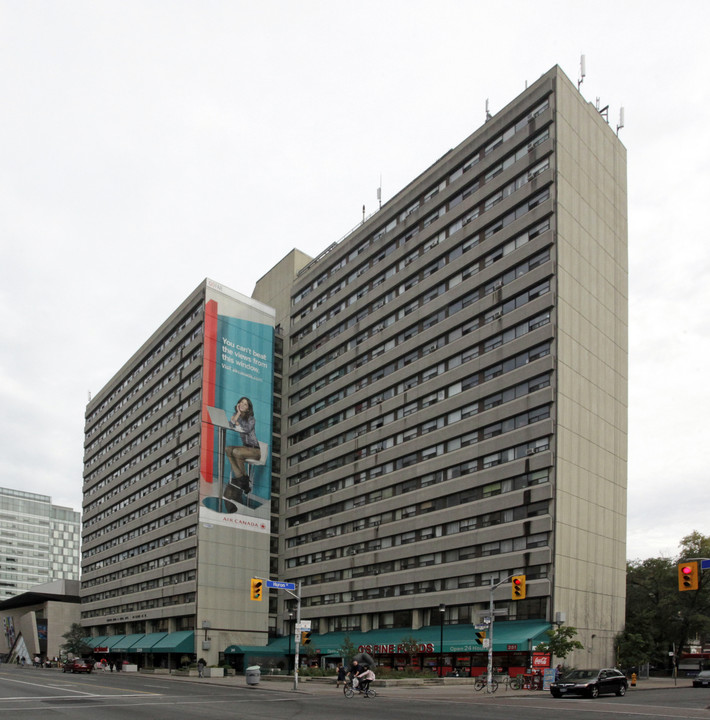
(201, 667)
(341, 675)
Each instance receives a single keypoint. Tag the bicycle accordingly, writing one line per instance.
(349, 690)
(482, 682)
(515, 683)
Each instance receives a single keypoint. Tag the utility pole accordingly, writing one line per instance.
(489, 678)
(296, 630)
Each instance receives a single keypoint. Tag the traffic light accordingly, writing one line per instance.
(257, 589)
(480, 637)
(688, 576)
(305, 637)
(518, 587)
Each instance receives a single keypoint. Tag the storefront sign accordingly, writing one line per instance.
(393, 649)
(540, 660)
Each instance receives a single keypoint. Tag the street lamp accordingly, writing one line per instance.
(442, 611)
(290, 635)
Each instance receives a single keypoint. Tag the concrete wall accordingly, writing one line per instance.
(592, 324)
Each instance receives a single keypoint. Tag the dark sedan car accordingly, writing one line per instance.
(702, 679)
(77, 666)
(590, 683)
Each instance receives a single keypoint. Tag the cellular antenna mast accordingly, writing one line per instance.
(621, 120)
(582, 71)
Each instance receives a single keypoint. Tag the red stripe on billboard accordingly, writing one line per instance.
(209, 375)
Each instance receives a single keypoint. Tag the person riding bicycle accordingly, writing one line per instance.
(354, 672)
(365, 676)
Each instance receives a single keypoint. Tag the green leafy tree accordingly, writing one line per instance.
(75, 644)
(659, 617)
(347, 650)
(652, 605)
(693, 606)
(562, 641)
(632, 649)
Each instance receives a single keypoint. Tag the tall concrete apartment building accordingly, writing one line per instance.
(39, 542)
(166, 557)
(451, 411)
(455, 397)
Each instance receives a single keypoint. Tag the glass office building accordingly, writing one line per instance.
(39, 542)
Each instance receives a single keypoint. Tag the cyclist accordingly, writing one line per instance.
(354, 672)
(365, 676)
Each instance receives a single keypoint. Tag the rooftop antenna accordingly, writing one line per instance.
(582, 71)
(621, 120)
(379, 192)
(488, 115)
(363, 214)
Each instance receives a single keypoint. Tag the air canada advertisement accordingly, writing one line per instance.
(237, 406)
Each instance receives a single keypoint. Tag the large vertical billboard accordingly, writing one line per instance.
(237, 402)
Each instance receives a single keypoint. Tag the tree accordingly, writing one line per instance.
(75, 644)
(694, 607)
(659, 618)
(632, 649)
(652, 605)
(347, 650)
(561, 643)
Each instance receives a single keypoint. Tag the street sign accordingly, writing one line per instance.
(481, 626)
(280, 585)
(705, 564)
(303, 625)
(486, 642)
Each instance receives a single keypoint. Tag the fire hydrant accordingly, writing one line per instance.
(633, 679)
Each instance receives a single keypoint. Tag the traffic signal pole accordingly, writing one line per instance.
(489, 678)
(296, 631)
(257, 585)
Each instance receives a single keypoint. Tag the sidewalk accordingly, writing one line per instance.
(449, 689)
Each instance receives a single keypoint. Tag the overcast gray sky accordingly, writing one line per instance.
(147, 144)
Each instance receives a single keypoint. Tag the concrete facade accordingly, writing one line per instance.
(35, 622)
(455, 405)
(151, 561)
(450, 411)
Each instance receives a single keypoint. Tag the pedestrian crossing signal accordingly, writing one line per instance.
(257, 589)
(480, 637)
(306, 637)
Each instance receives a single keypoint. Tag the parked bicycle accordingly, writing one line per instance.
(515, 683)
(482, 683)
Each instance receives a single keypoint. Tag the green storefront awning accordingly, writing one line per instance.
(93, 642)
(177, 642)
(146, 643)
(126, 642)
(112, 640)
(508, 636)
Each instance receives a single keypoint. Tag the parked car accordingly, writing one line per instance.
(78, 666)
(702, 679)
(590, 683)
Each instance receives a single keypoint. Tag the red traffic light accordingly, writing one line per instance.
(517, 581)
(688, 576)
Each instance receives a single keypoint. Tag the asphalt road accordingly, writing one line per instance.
(30, 694)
